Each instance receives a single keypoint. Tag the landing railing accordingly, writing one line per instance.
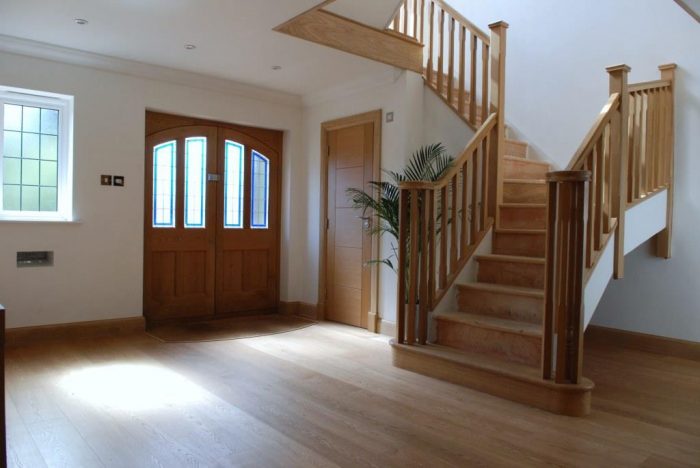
(625, 157)
(443, 222)
(457, 55)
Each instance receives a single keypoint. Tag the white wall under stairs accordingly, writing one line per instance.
(642, 222)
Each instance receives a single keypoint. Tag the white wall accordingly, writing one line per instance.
(400, 93)
(99, 260)
(556, 85)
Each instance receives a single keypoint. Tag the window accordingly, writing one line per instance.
(195, 176)
(164, 164)
(259, 191)
(233, 188)
(36, 169)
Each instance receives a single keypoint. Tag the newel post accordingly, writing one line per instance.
(619, 155)
(562, 343)
(663, 239)
(497, 103)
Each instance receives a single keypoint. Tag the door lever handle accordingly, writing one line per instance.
(366, 222)
(213, 177)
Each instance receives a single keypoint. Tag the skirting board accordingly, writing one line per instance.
(302, 309)
(643, 342)
(67, 331)
(387, 328)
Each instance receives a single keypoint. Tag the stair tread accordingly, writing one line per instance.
(510, 258)
(525, 160)
(520, 231)
(494, 323)
(525, 181)
(522, 205)
(491, 364)
(517, 142)
(503, 289)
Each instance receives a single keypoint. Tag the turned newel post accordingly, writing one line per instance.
(619, 130)
(663, 239)
(562, 342)
(497, 103)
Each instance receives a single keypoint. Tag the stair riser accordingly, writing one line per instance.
(523, 217)
(512, 347)
(526, 245)
(498, 304)
(523, 169)
(527, 275)
(514, 192)
(516, 149)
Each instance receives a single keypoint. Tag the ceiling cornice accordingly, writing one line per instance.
(15, 45)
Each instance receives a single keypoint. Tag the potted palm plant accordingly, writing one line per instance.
(428, 163)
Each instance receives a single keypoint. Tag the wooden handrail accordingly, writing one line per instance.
(474, 29)
(649, 85)
(466, 155)
(578, 160)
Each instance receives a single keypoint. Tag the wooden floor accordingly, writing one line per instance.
(326, 395)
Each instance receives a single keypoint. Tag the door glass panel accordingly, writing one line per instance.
(164, 158)
(233, 188)
(259, 191)
(195, 193)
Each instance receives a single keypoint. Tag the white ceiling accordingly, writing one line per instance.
(234, 38)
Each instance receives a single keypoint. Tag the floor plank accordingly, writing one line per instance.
(326, 395)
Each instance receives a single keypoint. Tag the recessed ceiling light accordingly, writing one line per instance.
(190, 46)
(276, 67)
(81, 21)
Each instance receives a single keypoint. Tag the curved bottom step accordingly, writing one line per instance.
(511, 381)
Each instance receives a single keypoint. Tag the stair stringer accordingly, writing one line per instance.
(642, 222)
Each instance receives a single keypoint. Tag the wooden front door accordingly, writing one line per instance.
(211, 244)
(348, 243)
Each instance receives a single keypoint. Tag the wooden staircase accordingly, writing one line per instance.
(517, 331)
(493, 341)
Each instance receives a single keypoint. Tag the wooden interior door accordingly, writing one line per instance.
(180, 218)
(348, 243)
(212, 231)
(248, 225)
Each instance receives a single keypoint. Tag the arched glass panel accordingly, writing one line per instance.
(164, 159)
(195, 180)
(260, 188)
(233, 189)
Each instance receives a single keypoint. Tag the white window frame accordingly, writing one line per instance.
(64, 105)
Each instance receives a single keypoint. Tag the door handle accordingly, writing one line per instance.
(213, 177)
(366, 222)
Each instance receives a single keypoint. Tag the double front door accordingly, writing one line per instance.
(211, 243)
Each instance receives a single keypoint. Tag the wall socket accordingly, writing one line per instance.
(118, 180)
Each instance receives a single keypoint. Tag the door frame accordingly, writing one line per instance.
(375, 118)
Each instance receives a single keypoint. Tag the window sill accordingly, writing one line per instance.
(10, 220)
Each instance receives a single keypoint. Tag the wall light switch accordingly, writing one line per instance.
(106, 179)
(119, 181)
(389, 117)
